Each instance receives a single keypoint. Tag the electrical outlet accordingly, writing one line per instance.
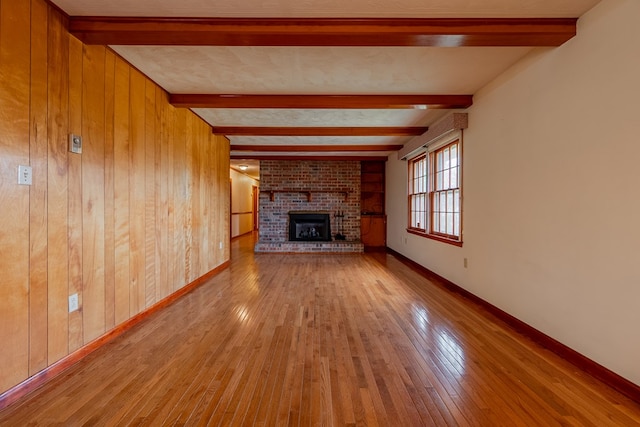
(25, 175)
(405, 240)
(220, 245)
(466, 264)
(73, 303)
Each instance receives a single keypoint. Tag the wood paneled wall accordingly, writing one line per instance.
(139, 214)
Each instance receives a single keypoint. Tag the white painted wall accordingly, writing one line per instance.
(552, 192)
(241, 202)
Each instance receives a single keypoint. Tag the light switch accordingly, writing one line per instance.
(24, 175)
(73, 302)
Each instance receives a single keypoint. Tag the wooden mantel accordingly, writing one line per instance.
(309, 193)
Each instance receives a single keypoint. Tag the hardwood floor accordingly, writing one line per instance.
(321, 340)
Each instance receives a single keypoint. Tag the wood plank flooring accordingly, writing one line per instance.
(341, 340)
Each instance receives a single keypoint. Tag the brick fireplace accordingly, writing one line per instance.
(310, 186)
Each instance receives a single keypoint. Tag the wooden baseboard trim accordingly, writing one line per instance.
(36, 381)
(608, 377)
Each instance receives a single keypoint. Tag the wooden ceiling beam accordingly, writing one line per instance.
(440, 32)
(306, 157)
(191, 100)
(314, 148)
(319, 131)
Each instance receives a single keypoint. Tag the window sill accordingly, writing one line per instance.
(434, 237)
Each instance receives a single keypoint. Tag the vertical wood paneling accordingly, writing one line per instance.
(162, 183)
(205, 194)
(93, 192)
(157, 190)
(14, 199)
(149, 193)
(216, 199)
(75, 197)
(58, 188)
(180, 189)
(171, 142)
(208, 246)
(215, 188)
(109, 187)
(38, 192)
(221, 197)
(196, 214)
(188, 202)
(121, 191)
(212, 254)
(137, 192)
(136, 216)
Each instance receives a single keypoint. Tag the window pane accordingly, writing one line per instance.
(454, 178)
(443, 222)
(443, 201)
(456, 201)
(445, 159)
(439, 183)
(446, 176)
(449, 201)
(449, 223)
(454, 155)
(456, 224)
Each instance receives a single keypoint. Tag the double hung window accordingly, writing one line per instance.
(435, 194)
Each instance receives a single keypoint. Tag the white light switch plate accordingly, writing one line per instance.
(73, 302)
(24, 175)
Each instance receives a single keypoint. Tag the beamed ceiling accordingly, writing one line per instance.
(327, 78)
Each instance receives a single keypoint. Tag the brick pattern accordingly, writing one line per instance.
(326, 180)
(311, 247)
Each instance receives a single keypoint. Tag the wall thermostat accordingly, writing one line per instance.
(75, 143)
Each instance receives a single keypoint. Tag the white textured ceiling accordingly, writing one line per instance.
(306, 118)
(328, 8)
(322, 70)
(284, 117)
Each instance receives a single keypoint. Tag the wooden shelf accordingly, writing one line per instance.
(308, 193)
(373, 220)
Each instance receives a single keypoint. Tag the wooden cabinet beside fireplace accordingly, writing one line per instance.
(373, 220)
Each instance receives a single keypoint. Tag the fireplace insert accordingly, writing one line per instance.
(309, 226)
